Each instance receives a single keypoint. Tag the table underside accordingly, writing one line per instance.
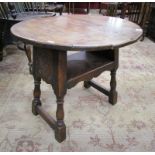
(80, 65)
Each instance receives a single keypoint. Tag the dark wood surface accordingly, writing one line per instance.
(78, 32)
(81, 66)
(52, 64)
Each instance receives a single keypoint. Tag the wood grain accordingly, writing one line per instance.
(78, 32)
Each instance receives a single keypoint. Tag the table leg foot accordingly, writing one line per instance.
(86, 84)
(113, 98)
(58, 126)
(35, 103)
(60, 133)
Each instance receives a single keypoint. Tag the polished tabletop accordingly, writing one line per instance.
(77, 32)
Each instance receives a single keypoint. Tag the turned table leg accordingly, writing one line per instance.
(60, 130)
(59, 84)
(36, 93)
(37, 81)
(51, 66)
(113, 92)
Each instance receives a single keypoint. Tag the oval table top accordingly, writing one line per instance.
(77, 32)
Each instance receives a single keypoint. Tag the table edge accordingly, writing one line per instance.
(74, 48)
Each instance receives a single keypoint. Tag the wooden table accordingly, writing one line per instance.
(97, 40)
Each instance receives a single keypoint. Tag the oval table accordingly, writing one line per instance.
(96, 39)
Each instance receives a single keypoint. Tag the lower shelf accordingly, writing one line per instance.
(87, 65)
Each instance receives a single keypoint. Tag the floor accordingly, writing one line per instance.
(92, 123)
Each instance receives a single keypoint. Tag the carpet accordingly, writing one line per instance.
(92, 123)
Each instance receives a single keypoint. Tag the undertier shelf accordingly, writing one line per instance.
(82, 64)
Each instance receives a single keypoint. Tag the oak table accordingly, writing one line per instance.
(97, 40)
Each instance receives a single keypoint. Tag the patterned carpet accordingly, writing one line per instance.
(92, 123)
